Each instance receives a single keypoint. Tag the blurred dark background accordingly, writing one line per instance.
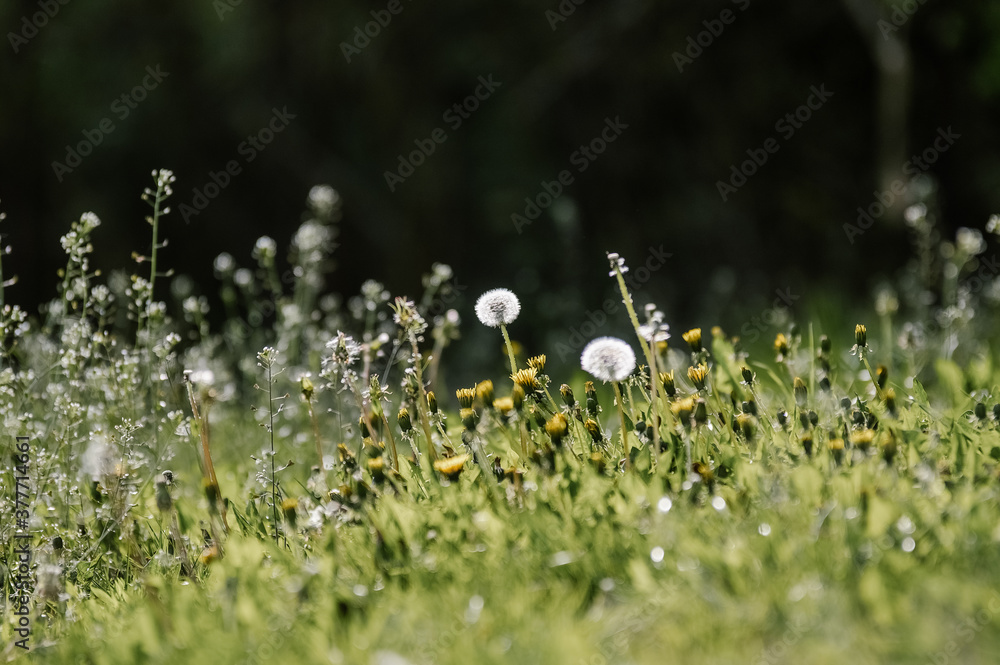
(228, 65)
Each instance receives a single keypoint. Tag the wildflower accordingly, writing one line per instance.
(594, 430)
(667, 379)
(693, 338)
(556, 428)
(608, 359)
(860, 339)
(567, 395)
(781, 346)
(700, 411)
(882, 374)
(617, 264)
(526, 380)
(801, 392)
(807, 443)
(747, 425)
(485, 392)
(504, 404)
(469, 418)
(451, 467)
(537, 363)
(836, 447)
(496, 307)
(288, 507)
(432, 402)
(697, 375)
(593, 408)
(403, 418)
(890, 401)
(747, 375)
(682, 409)
(465, 397)
(862, 439)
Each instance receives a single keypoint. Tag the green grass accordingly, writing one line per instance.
(881, 545)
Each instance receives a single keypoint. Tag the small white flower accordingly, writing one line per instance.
(497, 306)
(617, 264)
(608, 359)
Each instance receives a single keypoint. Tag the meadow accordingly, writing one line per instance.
(296, 486)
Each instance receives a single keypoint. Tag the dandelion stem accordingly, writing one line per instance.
(510, 349)
(650, 362)
(621, 417)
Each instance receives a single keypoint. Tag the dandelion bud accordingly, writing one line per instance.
(504, 405)
(469, 418)
(556, 428)
(862, 439)
(747, 375)
(889, 447)
(567, 395)
(465, 397)
(527, 380)
(682, 409)
(212, 492)
(594, 430)
(836, 447)
(693, 338)
(783, 418)
(597, 461)
(432, 401)
(980, 411)
(451, 467)
(667, 379)
(517, 397)
(996, 411)
(593, 408)
(813, 418)
(860, 336)
(882, 374)
(800, 390)
(376, 467)
(697, 376)
(288, 507)
(824, 384)
(307, 388)
(807, 443)
(781, 345)
(163, 500)
(750, 406)
(485, 392)
(403, 418)
(825, 345)
(537, 363)
(890, 402)
(209, 554)
(700, 411)
(748, 425)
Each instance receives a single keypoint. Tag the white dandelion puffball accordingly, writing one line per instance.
(497, 306)
(608, 359)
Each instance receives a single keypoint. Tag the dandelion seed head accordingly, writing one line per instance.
(608, 359)
(497, 306)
